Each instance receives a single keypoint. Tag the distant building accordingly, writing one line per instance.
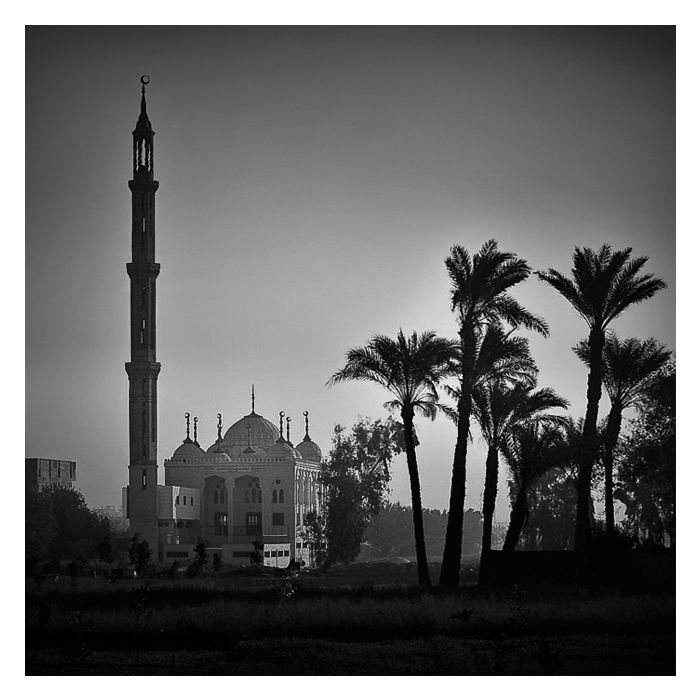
(250, 491)
(43, 474)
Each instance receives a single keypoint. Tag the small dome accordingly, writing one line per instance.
(262, 432)
(309, 450)
(216, 448)
(188, 450)
(283, 450)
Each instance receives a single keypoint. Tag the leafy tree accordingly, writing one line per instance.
(499, 406)
(479, 295)
(410, 369)
(356, 477)
(139, 554)
(531, 450)
(216, 562)
(315, 535)
(60, 526)
(647, 463)
(105, 550)
(628, 368)
(603, 284)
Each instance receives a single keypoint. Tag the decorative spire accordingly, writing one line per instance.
(143, 139)
(144, 123)
(195, 431)
(289, 420)
(219, 426)
(187, 424)
(281, 438)
(306, 420)
(252, 400)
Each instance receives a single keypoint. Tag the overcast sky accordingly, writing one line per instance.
(312, 183)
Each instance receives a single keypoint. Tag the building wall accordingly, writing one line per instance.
(288, 490)
(43, 473)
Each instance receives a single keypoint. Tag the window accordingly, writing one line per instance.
(177, 500)
(274, 496)
(191, 500)
(144, 479)
(267, 554)
(281, 495)
(278, 518)
(221, 523)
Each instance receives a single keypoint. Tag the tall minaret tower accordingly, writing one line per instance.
(143, 369)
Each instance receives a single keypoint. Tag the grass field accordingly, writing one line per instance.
(341, 624)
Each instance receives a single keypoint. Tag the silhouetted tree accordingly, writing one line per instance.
(479, 295)
(499, 406)
(356, 476)
(410, 369)
(628, 368)
(603, 284)
(60, 526)
(139, 554)
(647, 463)
(105, 550)
(531, 449)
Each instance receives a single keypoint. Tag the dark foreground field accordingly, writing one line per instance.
(338, 625)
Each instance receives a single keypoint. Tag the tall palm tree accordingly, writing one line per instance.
(628, 367)
(479, 295)
(498, 407)
(531, 449)
(602, 286)
(410, 368)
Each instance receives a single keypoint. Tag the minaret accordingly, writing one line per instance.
(143, 369)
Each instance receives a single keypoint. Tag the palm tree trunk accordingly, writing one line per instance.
(421, 558)
(587, 449)
(490, 493)
(517, 519)
(452, 555)
(612, 433)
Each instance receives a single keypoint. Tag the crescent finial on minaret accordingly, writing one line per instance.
(289, 420)
(219, 426)
(306, 420)
(187, 424)
(281, 438)
(195, 431)
(252, 398)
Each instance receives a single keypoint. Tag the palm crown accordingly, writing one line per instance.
(498, 406)
(409, 367)
(603, 283)
(628, 365)
(480, 287)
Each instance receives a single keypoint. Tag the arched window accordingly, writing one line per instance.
(281, 495)
(274, 495)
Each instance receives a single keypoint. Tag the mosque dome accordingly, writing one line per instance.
(188, 450)
(309, 450)
(262, 431)
(282, 450)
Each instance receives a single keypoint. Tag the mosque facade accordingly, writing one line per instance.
(247, 495)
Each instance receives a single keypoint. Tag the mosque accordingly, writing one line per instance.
(247, 495)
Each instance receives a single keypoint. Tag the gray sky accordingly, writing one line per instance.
(312, 182)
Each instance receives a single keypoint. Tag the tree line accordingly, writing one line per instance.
(489, 379)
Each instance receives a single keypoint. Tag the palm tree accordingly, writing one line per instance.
(603, 285)
(479, 295)
(628, 368)
(498, 407)
(531, 449)
(410, 368)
